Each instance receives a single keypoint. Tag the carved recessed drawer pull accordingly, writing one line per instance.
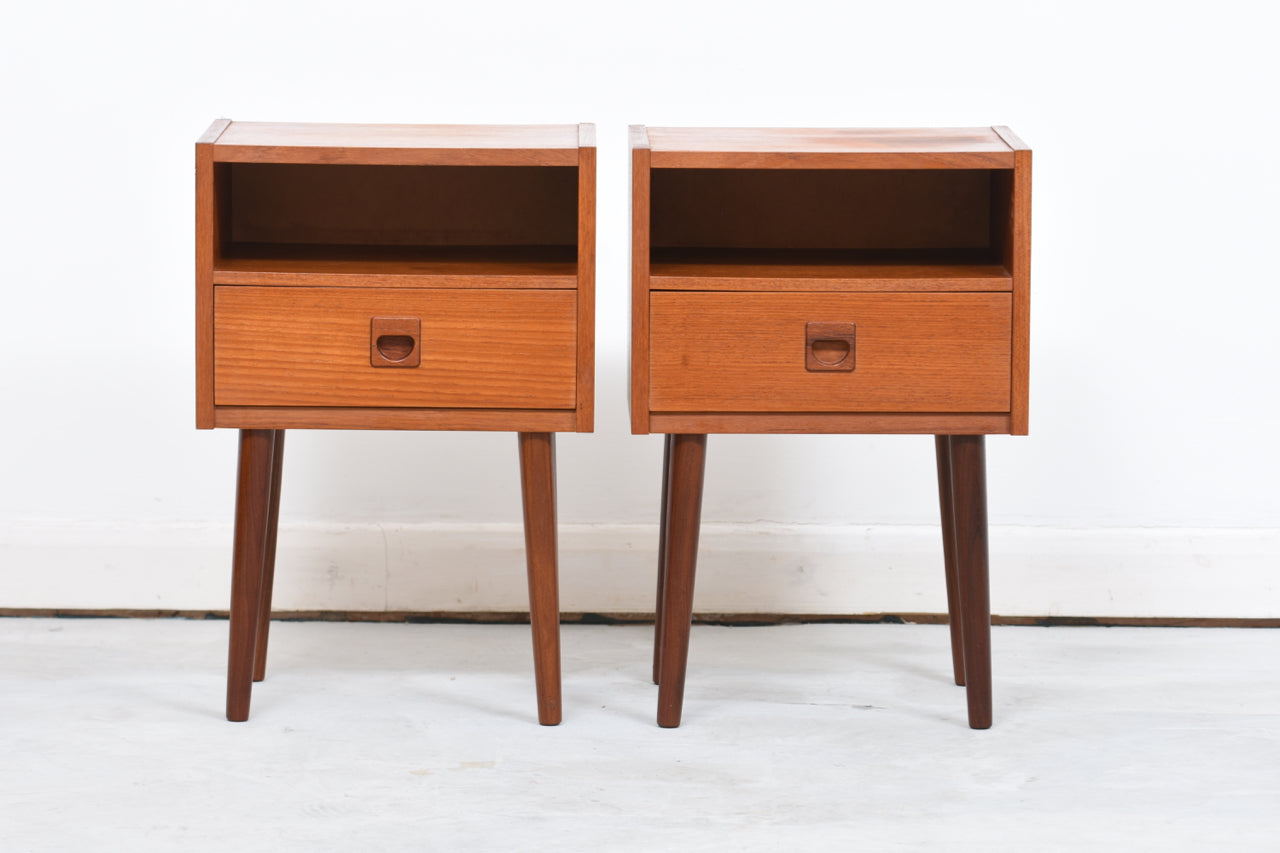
(829, 346)
(393, 341)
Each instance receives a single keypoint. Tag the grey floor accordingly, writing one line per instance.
(819, 737)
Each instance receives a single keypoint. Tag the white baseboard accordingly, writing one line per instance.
(743, 568)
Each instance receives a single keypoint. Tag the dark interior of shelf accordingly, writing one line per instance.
(342, 214)
(829, 216)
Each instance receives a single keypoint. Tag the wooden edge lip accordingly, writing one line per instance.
(586, 135)
(1010, 138)
(662, 283)
(832, 160)
(638, 349)
(585, 304)
(205, 250)
(404, 156)
(850, 423)
(470, 420)
(235, 278)
(215, 130)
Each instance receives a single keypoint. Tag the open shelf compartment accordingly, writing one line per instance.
(830, 229)
(423, 226)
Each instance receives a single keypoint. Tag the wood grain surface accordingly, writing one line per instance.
(1019, 263)
(831, 423)
(464, 145)
(682, 521)
(586, 277)
(745, 352)
(207, 240)
(829, 148)
(310, 265)
(253, 492)
(538, 493)
(823, 270)
(303, 346)
(402, 418)
(969, 507)
(263, 638)
(639, 350)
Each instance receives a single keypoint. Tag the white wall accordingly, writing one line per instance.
(1155, 304)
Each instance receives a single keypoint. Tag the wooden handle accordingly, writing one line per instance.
(829, 346)
(395, 341)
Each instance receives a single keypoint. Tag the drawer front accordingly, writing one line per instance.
(315, 346)
(753, 352)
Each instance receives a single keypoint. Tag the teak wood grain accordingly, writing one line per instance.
(253, 489)
(969, 508)
(1018, 261)
(310, 347)
(639, 350)
(269, 557)
(838, 423)
(393, 277)
(745, 352)
(406, 418)
(828, 148)
(538, 491)
(830, 281)
(438, 145)
(814, 270)
(586, 278)
(292, 265)
(681, 522)
(400, 207)
(947, 514)
(658, 610)
(207, 238)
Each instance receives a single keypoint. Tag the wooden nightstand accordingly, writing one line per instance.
(393, 277)
(830, 281)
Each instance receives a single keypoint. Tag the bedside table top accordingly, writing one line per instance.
(398, 144)
(832, 148)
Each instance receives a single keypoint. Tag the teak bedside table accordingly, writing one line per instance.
(393, 277)
(830, 281)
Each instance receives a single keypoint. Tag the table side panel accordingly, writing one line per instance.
(1019, 262)
(639, 350)
(207, 238)
(586, 302)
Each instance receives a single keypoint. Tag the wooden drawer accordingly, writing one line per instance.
(311, 346)
(912, 352)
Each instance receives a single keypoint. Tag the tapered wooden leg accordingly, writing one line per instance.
(538, 485)
(683, 519)
(269, 557)
(969, 487)
(253, 486)
(662, 561)
(942, 444)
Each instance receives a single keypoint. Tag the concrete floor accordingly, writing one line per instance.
(818, 737)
